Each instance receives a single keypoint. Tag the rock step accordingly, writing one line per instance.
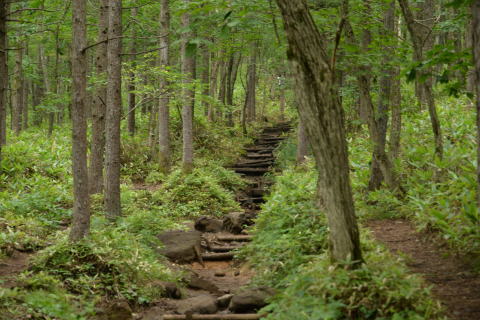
(246, 316)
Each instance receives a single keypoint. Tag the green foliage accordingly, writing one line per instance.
(110, 263)
(288, 252)
(204, 191)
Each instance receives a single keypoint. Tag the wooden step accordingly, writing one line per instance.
(238, 238)
(243, 316)
(223, 248)
(219, 256)
(252, 171)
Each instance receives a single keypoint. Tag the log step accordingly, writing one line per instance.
(223, 249)
(258, 171)
(218, 256)
(245, 316)
(235, 238)
(252, 200)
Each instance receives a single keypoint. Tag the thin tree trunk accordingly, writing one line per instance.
(476, 56)
(322, 114)
(396, 105)
(250, 97)
(188, 70)
(165, 152)
(213, 86)
(131, 80)
(46, 85)
(205, 78)
(233, 65)
(17, 108)
(99, 100)
(302, 143)
(114, 105)
(3, 74)
(81, 203)
(418, 32)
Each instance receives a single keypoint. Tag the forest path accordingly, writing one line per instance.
(454, 283)
(214, 283)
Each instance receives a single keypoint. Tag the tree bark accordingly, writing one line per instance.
(97, 153)
(420, 36)
(81, 203)
(396, 105)
(322, 114)
(165, 152)
(205, 78)
(213, 86)
(476, 56)
(188, 70)
(114, 105)
(233, 65)
(3, 74)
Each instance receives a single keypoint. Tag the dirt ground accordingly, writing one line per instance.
(454, 282)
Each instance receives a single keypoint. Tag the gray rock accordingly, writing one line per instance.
(196, 282)
(235, 222)
(250, 300)
(224, 301)
(181, 246)
(208, 224)
(204, 304)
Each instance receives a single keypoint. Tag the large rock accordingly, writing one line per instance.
(235, 222)
(118, 310)
(196, 282)
(208, 224)
(204, 304)
(250, 300)
(181, 246)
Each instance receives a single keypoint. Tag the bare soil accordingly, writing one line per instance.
(10, 268)
(454, 282)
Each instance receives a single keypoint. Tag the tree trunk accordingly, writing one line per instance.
(205, 78)
(165, 152)
(188, 69)
(114, 105)
(131, 80)
(3, 74)
(396, 105)
(232, 72)
(250, 96)
(17, 107)
(213, 86)
(420, 35)
(322, 114)
(99, 100)
(81, 202)
(476, 58)
(302, 143)
(46, 85)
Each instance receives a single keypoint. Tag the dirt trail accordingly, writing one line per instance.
(453, 281)
(219, 276)
(12, 266)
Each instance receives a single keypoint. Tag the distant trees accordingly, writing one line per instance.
(476, 58)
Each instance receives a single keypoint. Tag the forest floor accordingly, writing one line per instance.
(11, 267)
(453, 280)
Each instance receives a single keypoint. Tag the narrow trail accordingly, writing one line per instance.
(215, 278)
(12, 266)
(454, 283)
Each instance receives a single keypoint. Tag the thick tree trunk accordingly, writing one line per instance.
(114, 105)
(476, 57)
(420, 35)
(131, 80)
(3, 74)
(81, 203)
(322, 114)
(302, 143)
(165, 152)
(188, 70)
(97, 153)
(17, 107)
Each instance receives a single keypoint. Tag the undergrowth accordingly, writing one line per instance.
(289, 253)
